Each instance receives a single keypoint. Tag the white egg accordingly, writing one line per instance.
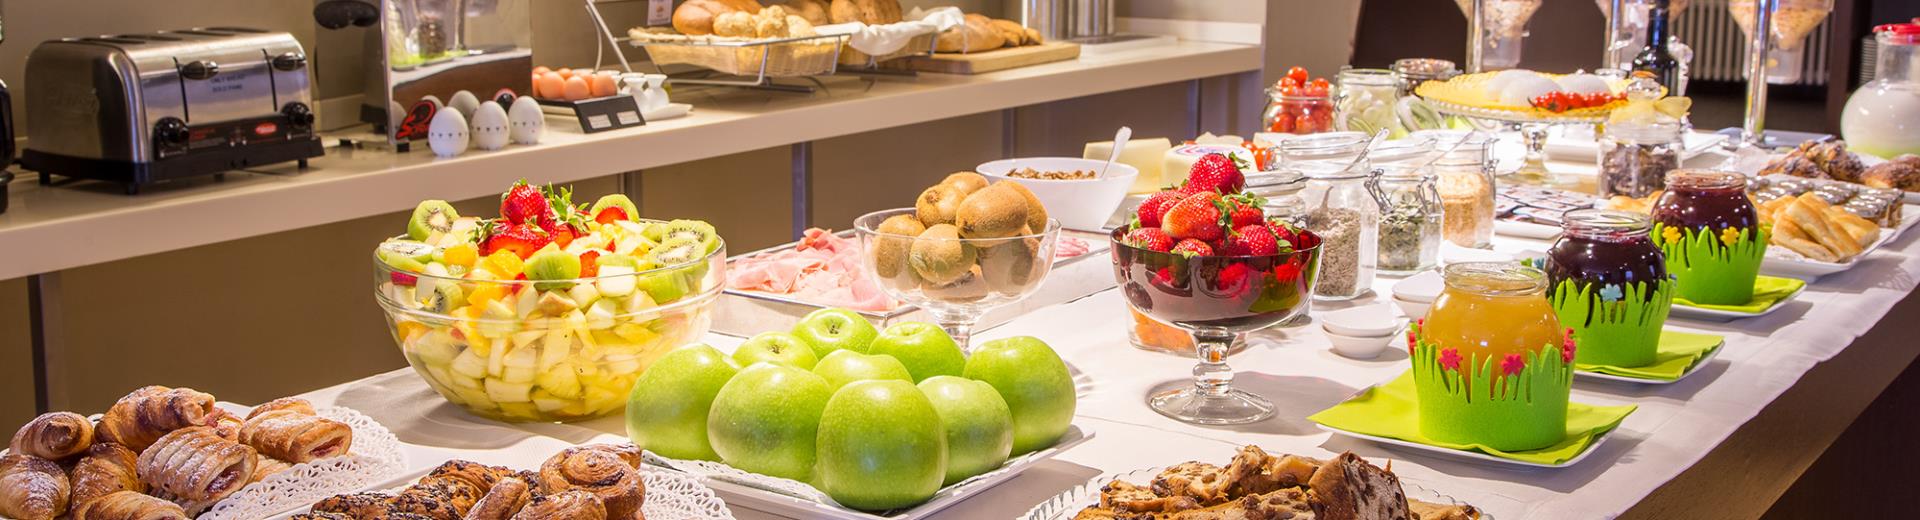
(437, 105)
(465, 102)
(525, 123)
(1522, 90)
(1501, 79)
(448, 134)
(490, 126)
(1583, 83)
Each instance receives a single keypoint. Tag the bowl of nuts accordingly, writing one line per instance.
(1070, 187)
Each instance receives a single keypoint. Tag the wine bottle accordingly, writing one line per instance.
(1655, 58)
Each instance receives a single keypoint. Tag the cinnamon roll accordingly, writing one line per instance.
(195, 467)
(422, 503)
(505, 499)
(54, 436)
(565, 505)
(31, 488)
(128, 505)
(107, 468)
(293, 404)
(296, 437)
(604, 470)
(140, 418)
(467, 474)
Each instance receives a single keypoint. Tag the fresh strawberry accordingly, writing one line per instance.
(1151, 239)
(1233, 279)
(1198, 216)
(1156, 206)
(1216, 172)
(524, 203)
(1252, 240)
(521, 239)
(1284, 234)
(589, 264)
(1191, 248)
(1246, 210)
(1304, 239)
(611, 214)
(405, 279)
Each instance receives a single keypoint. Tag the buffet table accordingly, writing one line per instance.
(1675, 427)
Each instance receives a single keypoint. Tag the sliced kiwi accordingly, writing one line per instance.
(431, 216)
(699, 232)
(654, 231)
(664, 287)
(676, 251)
(552, 265)
(445, 297)
(618, 259)
(614, 200)
(405, 255)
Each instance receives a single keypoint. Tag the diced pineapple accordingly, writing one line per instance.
(636, 334)
(497, 320)
(547, 403)
(496, 358)
(615, 280)
(601, 399)
(474, 398)
(562, 381)
(575, 409)
(601, 315)
(583, 295)
(506, 392)
(627, 364)
(439, 379)
(434, 348)
(557, 347)
(520, 411)
(470, 383)
(468, 363)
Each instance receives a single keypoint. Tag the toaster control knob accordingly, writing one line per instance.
(199, 70)
(298, 114)
(291, 61)
(171, 130)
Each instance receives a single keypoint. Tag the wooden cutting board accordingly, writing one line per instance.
(997, 59)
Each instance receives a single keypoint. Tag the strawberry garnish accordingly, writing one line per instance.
(1192, 248)
(1246, 210)
(1215, 172)
(1252, 240)
(521, 239)
(1156, 206)
(589, 264)
(1151, 239)
(610, 214)
(1284, 235)
(525, 203)
(1198, 216)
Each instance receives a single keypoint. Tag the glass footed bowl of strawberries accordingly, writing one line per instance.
(515, 323)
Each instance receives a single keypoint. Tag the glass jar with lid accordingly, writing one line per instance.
(1463, 175)
(1883, 117)
(1608, 282)
(1339, 208)
(1367, 99)
(1281, 191)
(1635, 157)
(1298, 114)
(1410, 218)
(1414, 71)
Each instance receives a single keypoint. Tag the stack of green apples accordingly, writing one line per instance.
(834, 403)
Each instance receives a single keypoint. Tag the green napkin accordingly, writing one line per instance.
(1767, 292)
(1677, 353)
(1392, 410)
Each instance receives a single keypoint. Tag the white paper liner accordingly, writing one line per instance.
(374, 458)
(678, 496)
(1064, 505)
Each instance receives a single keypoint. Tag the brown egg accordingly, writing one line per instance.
(552, 86)
(603, 86)
(536, 86)
(541, 70)
(577, 89)
(564, 72)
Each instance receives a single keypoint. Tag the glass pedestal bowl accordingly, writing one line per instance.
(545, 351)
(955, 279)
(1213, 298)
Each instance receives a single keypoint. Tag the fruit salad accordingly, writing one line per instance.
(551, 310)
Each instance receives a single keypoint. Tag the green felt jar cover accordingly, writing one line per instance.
(1614, 324)
(1512, 403)
(1717, 268)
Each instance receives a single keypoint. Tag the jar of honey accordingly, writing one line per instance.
(1492, 309)
(1491, 364)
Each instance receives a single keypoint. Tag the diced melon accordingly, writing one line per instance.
(561, 381)
(575, 409)
(625, 365)
(497, 320)
(600, 315)
(526, 301)
(554, 350)
(522, 358)
(547, 403)
(635, 333)
(470, 383)
(615, 280)
(583, 294)
(523, 338)
(474, 398)
(497, 358)
(611, 342)
(506, 392)
(435, 348)
(520, 411)
(439, 380)
(469, 364)
(601, 399)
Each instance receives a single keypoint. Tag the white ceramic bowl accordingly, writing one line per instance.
(1360, 347)
(1363, 321)
(1413, 310)
(1077, 204)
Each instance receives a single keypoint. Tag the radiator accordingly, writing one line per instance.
(1720, 49)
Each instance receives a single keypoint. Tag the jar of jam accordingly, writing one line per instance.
(1493, 316)
(1608, 283)
(1707, 227)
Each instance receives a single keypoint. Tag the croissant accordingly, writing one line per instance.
(507, 497)
(31, 488)
(603, 470)
(295, 437)
(294, 404)
(54, 436)
(107, 468)
(195, 467)
(128, 505)
(140, 418)
(565, 505)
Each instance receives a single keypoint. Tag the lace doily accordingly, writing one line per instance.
(1065, 505)
(374, 458)
(678, 496)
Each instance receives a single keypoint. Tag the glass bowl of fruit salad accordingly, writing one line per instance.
(545, 314)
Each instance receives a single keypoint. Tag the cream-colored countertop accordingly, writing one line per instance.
(53, 228)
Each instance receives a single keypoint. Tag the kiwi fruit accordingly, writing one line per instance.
(991, 213)
(966, 182)
(431, 216)
(552, 265)
(939, 256)
(890, 252)
(675, 251)
(937, 205)
(665, 287)
(699, 232)
(615, 200)
(445, 297)
(1012, 266)
(970, 287)
(655, 231)
(1036, 212)
(405, 255)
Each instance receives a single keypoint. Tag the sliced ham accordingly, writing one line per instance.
(821, 268)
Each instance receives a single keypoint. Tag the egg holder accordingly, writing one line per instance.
(485, 125)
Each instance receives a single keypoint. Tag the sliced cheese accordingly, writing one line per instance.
(1148, 155)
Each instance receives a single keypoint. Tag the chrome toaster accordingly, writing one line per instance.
(143, 108)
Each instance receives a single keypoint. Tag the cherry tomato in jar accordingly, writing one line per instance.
(1282, 123)
(1297, 74)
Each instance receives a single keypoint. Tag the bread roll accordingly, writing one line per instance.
(696, 17)
(1011, 31)
(870, 12)
(815, 11)
(974, 36)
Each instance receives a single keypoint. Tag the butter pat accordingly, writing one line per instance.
(1148, 155)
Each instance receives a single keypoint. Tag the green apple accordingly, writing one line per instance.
(1035, 383)
(667, 409)
(777, 347)
(979, 425)
(924, 348)
(833, 329)
(846, 366)
(765, 419)
(881, 446)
